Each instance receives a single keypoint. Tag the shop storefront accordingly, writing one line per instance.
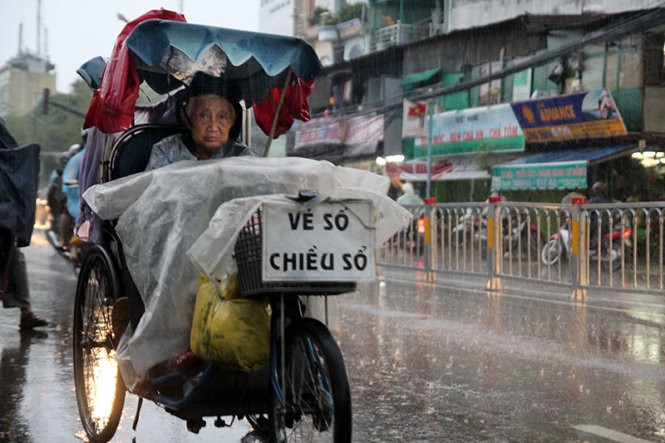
(340, 139)
(526, 146)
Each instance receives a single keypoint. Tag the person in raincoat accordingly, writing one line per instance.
(409, 196)
(212, 119)
(19, 175)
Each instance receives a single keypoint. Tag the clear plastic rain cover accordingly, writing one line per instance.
(178, 221)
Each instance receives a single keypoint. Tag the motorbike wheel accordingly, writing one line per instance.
(316, 399)
(551, 253)
(616, 257)
(100, 390)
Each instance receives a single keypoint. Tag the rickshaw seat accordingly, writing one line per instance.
(131, 151)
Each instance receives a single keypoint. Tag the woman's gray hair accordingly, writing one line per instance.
(189, 105)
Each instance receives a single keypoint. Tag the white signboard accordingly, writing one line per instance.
(330, 241)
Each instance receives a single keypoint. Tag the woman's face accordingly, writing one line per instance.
(211, 118)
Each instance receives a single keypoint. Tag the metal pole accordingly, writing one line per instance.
(430, 117)
(275, 119)
(494, 244)
(428, 194)
(578, 249)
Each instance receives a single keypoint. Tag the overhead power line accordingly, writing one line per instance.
(611, 32)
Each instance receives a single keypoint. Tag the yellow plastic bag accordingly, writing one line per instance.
(230, 331)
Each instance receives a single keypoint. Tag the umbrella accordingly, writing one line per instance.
(276, 73)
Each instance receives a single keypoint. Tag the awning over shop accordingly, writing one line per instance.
(464, 167)
(565, 169)
(428, 76)
(416, 170)
(459, 167)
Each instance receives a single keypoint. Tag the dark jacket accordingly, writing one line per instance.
(19, 179)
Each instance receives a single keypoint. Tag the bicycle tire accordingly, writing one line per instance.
(96, 374)
(317, 408)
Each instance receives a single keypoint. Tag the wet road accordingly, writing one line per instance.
(431, 364)
(426, 364)
(36, 373)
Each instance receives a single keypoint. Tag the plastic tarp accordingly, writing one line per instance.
(112, 106)
(19, 179)
(200, 207)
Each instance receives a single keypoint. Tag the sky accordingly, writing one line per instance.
(78, 30)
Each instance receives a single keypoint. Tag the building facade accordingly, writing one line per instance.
(501, 81)
(22, 83)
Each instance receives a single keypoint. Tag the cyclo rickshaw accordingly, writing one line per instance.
(301, 392)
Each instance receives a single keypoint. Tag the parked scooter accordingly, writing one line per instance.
(558, 245)
(612, 245)
(521, 234)
(620, 244)
(471, 227)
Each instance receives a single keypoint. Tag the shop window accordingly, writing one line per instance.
(489, 93)
(653, 48)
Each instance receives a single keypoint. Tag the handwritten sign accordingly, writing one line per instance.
(331, 241)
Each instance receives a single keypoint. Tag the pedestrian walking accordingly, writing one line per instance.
(19, 176)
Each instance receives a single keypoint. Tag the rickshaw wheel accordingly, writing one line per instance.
(317, 399)
(100, 391)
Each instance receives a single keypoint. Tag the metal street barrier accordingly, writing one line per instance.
(618, 246)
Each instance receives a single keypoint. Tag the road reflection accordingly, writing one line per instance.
(13, 363)
(429, 363)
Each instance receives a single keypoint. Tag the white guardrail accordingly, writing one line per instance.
(618, 246)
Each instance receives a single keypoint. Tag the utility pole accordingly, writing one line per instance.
(39, 27)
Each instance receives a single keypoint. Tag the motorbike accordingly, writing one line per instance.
(612, 245)
(558, 246)
(521, 234)
(62, 221)
(471, 228)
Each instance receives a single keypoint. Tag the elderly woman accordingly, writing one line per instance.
(212, 118)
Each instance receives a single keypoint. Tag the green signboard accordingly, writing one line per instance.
(491, 128)
(539, 176)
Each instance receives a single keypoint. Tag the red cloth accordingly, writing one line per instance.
(112, 106)
(296, 106)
